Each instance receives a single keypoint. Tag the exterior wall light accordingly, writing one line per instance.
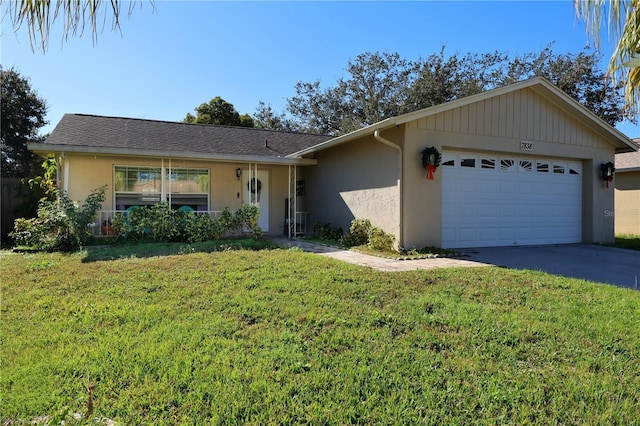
(238, 173)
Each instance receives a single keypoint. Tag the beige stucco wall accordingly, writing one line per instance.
(499, 124)
(358, 180)
(627, 203)
(88, 172)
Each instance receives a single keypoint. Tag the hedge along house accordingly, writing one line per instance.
(189, 166)
(520, 165)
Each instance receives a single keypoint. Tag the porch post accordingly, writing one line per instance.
(254, 180)
(288, 221)
(65, 170)
(163, 178)
(169, 184)
(295, 201)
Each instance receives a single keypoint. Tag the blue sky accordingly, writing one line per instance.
(169, 60)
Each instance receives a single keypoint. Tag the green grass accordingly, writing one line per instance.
(285, 337)
(140, 250)
(628, 241)
(319, 240)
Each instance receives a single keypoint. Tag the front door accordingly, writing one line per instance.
(255, 190)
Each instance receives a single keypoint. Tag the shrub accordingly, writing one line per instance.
(358, 233)
(327, 232)
(61, 225)
(203, 228)
(132, 224)
(161, 223)
(380, 240)
(227, 221)
(246, 218)
(361, 232)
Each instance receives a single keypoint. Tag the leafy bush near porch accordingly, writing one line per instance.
(361, 232)
(61, 224)
(380, 240)
(358, 233)
(163, 224)
(327, 232)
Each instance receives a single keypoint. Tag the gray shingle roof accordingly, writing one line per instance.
(91, 131)
(628, 160)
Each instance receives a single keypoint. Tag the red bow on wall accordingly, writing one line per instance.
(430, 169)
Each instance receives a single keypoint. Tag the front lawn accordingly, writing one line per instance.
(285, 337)
(628, 241)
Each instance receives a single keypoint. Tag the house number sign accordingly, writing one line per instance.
(526, 146)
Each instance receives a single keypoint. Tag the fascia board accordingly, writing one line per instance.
(44, 148)
(386, 123)
(628, 169)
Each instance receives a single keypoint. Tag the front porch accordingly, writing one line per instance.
(201, 187)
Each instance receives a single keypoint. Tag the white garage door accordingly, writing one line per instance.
(491, 200)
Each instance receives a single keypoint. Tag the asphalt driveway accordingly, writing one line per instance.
(589, 262)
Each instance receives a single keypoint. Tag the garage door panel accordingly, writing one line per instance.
(467, 185)
(488, 187)
(467, 235)
(526, 212)
(505, 237)
(485, 210)
(528, 201)
(529, 188)
(508, 187)
(507, 211)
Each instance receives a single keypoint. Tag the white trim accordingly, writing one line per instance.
(65, 168)
(47, 149)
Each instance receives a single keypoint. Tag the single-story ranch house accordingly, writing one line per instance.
(627, 193)
(520, 165)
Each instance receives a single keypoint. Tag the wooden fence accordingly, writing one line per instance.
(8, 204)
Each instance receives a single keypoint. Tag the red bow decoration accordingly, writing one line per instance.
(609, 179)
(430, 169)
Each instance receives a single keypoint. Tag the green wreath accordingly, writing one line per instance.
(254, 185)
(427, 158)
(430, 161)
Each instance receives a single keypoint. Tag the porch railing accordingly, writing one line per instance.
(301, 224)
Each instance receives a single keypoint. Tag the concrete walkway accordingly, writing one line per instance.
(375, 262)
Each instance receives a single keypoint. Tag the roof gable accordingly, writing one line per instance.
(117, 134)
(539, 86)
(630, 161)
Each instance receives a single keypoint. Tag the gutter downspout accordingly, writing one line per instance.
(387, 142)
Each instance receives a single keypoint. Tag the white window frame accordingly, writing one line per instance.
(165, 194)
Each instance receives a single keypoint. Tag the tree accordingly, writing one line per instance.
(38, 16)
(220, 112)
(623, 22)
(578, 75)
(22, 115)
(374, 89)
(266, 118)
(383, 85)
(442, 79)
